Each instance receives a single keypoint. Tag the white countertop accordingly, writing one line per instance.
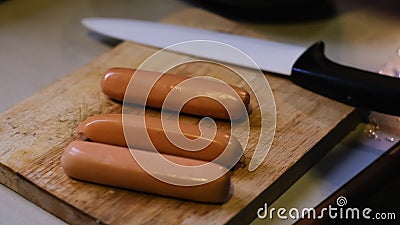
(42, 40)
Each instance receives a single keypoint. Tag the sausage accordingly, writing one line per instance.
(115, 82)
(115, 166)
(109, 129)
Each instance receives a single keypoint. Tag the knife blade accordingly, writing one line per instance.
(307, 67)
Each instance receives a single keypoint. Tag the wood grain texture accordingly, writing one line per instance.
(34, 132)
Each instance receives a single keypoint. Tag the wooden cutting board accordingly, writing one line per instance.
(34, 132)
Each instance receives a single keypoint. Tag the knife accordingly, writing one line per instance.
(307, 67)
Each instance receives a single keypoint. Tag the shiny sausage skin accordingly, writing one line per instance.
(108, 129)
(115, 166)
(115, 83)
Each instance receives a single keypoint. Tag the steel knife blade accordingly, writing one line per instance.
(307, 67)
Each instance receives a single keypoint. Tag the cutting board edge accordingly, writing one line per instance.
(8, 177)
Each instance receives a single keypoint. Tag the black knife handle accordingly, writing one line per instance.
(355, 87)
